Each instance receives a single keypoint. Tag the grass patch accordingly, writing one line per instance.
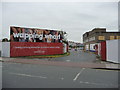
(49, 56)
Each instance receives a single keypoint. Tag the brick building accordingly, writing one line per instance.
(98, 35)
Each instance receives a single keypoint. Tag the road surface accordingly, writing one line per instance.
(17, 75)
(21, 75)
(77, 56)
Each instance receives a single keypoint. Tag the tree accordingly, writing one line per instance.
(5, 40)
(64, 41)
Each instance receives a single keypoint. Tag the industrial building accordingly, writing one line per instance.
(97, 35)
(73, 44)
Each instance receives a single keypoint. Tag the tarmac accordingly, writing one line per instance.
(48, 61)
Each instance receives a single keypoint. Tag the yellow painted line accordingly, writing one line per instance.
(49, 56)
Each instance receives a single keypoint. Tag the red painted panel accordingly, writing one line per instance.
(103, 50)
(35, 48)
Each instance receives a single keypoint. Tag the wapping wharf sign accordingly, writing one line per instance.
(34, 41)
(40, 37)
(18, 34)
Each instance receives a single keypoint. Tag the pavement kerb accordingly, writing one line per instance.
(1, 59)
(117, 69)
(101, 67)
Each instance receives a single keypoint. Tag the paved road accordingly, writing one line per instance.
(77, 56)
(16, 75)
(47, 75)
(75, 59)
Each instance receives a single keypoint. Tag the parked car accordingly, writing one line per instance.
(75, 49)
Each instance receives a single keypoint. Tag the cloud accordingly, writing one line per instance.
(74, 18)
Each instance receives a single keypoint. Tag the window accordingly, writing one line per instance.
(118, 37)
(101, 37)
(92, 39)
(112, 37)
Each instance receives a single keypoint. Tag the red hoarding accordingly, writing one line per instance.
(103, 51)
(34, 48)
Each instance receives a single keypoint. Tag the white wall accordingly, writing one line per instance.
(65, 48)
(118, 51)
(92, 47)
(5, 49)
(112, 51)
(0, 48)
(87, 47)
(99, 49)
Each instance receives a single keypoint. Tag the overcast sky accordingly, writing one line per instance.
(75, 18)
